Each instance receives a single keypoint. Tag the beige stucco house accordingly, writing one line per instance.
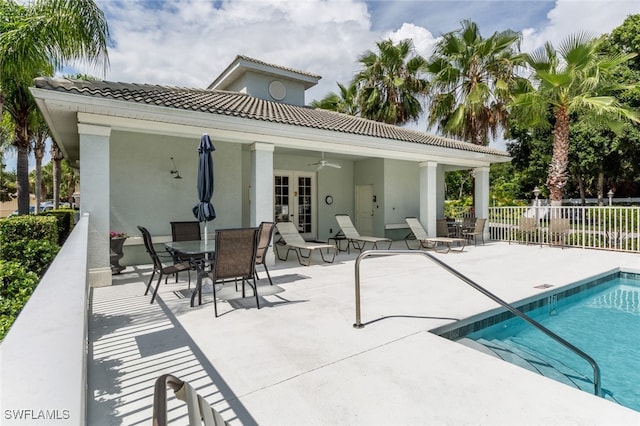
(125, 139)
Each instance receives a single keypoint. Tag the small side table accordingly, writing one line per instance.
(337, 238)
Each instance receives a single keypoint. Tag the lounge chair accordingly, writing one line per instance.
(265, 232)
(198, 409)
(295, 242)
(419, 234)
(558, 231)
(526, 228)
(477, 231)
(354, 238)
(158, 267)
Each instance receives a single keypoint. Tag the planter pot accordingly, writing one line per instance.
(116, 254)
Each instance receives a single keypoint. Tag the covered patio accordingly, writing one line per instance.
(298, 360)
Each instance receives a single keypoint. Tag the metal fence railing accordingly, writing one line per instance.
(595, 227)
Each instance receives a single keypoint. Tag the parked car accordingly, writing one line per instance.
(32, 209)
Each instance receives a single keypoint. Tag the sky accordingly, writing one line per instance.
(188, 43)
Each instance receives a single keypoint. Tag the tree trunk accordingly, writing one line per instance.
(600, 185)
(38, 152)
(56, 157)
(583, 194)
(22, 179)
(557, 179)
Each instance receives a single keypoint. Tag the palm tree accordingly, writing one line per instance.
(572, 79)
(37, 39)
(471, 76)
(391, 82)
(345, 102)
(40, 135)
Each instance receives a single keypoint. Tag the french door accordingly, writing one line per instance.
(295, 195)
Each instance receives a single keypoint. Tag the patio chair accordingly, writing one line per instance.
(444, 230)
(235, 258)
(198, 409)
(265, 232)
(158, 267)
(294, 242)
(185, 231)
(558, 231)
(477, 231)
(418, 233)
(354, 238)
(526, 228)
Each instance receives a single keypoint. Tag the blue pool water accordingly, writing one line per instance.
(603, 321)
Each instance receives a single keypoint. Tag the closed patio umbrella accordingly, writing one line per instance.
(204, 211)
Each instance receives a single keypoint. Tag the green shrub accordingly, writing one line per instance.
(66, 222)
(16, 286)
(30, 240)
(28, 227)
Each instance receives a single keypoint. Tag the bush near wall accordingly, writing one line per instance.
(28, 245)
(16, 286)
(66, 222)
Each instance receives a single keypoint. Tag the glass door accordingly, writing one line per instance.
(295, 201)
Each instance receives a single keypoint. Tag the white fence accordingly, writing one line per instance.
(606, 228)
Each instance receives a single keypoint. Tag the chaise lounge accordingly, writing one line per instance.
(426, 242)
(295, 242)
(354, 238)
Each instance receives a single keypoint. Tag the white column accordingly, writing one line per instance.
(429, 196)
(94, 178)
(440, 193)
(482, 196)
(261, 204)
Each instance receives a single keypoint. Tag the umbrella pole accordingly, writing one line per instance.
(205, 233)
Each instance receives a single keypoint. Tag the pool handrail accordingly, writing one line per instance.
(369, 253)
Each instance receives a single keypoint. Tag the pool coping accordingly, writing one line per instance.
(460, 329)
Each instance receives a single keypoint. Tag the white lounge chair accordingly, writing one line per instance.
(295, 242)
(354, 238)
(426, 242)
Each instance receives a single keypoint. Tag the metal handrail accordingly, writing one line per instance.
(577, 351)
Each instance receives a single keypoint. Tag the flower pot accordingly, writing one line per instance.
(116, 254)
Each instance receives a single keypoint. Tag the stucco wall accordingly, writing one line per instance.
(143, 191)
(401, 194)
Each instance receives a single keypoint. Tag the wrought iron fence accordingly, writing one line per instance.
(606, 228)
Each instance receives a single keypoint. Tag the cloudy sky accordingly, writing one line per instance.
(189, 42)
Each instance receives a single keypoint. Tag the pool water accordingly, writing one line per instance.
(603, 321)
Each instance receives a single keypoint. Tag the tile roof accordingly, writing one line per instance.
(259, 62)
(244, 106)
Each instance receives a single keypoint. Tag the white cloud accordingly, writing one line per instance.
(573, 16)
(189, 42)
(423, 40)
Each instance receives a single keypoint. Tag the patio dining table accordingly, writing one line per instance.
(194, 249)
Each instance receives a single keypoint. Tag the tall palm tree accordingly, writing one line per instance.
(571, 79)
(391, 82)
(37, 39)
(471, 77)
(345, 102)
(40, 134)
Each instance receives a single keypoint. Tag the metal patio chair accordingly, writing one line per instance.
(477, 231)
(186, 231)
(265, 232)
(235, 258)
(158, 266)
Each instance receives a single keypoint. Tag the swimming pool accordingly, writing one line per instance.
(601, 317)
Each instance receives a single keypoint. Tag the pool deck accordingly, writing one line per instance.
(299, 361)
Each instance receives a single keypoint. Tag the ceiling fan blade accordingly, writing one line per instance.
(335, 166)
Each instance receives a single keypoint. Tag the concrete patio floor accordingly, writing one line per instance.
(299, 361)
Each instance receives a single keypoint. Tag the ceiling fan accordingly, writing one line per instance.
(322, 163)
